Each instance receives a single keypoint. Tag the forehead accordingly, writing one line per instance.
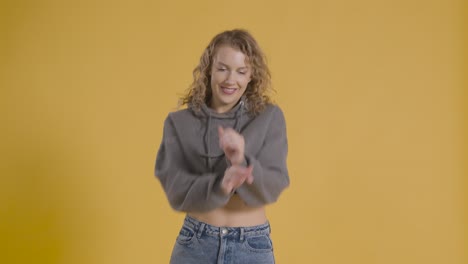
(229, 55)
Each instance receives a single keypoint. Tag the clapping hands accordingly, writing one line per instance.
(232, 143)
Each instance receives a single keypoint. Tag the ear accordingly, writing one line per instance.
(250, 78)
(251, 74)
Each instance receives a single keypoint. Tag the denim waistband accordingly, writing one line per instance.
(201, 227)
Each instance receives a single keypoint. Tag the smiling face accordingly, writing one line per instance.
(230, 75)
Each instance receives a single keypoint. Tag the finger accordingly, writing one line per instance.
(230, 130)
(228, 184)
(238, 176)
(221, 136)
(236, 185)
(220, 131)
(238, 179)
(250, 177)
(228, 189)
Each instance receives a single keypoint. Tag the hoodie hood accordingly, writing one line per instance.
(240, 108)
(214, 119)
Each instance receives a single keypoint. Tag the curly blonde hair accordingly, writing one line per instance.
(258, 89)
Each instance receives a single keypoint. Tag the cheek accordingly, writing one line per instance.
(217, 77)
(213, 79)
(245, 81)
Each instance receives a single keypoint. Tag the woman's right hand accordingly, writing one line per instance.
(233, 144)
(235, 176)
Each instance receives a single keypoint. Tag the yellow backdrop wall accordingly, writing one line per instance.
(372, 93)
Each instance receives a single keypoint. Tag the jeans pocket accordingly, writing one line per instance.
(261, 243)
(185, 236)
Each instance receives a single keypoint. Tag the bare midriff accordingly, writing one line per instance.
(234, 214)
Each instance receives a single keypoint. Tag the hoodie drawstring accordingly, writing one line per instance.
(237, 127)
(239, 119)
(207, 142)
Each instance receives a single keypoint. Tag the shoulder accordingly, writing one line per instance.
(183, 120)
(271, 116)
(274, 108)
(273, 111)
(275, 116)
(181, 115)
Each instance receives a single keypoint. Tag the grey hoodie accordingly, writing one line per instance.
(190, 164)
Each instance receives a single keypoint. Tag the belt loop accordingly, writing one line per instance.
(241, 238)
(200, 230)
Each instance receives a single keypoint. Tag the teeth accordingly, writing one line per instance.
(228, 90)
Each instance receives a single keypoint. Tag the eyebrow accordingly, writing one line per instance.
(225, 65)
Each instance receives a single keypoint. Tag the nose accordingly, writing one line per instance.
(230, 78)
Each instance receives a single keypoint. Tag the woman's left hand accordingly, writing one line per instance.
(232, 143)
(235, 176)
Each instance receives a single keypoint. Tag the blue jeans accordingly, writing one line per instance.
(200, 243)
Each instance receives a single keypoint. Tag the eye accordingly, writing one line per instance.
(243, 72)
(221, 69)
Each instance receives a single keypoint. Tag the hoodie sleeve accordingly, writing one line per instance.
(185, 190)
(269, 165)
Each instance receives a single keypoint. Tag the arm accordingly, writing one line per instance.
(270, 173)
(185, 190)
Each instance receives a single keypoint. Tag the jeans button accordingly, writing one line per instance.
(224, 231)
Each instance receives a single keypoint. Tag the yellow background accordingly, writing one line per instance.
(372, 92)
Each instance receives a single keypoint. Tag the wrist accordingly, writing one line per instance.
(240, 161)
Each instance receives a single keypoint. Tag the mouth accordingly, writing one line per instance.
(228, 90)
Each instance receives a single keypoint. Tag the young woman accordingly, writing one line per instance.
(223, 158)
